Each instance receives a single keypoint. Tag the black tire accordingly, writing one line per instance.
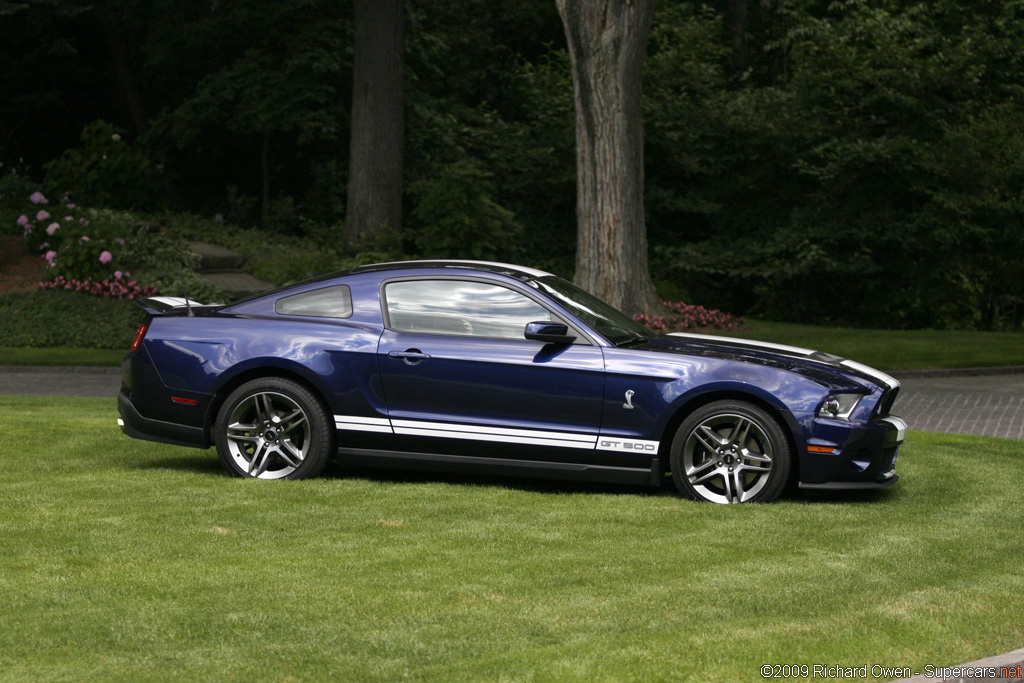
(731, 451)
(274, 428)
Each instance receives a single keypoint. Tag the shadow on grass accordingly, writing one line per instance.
(206, 462)
(538, 485)
(873, 496)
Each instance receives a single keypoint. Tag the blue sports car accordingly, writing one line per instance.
(493, 368)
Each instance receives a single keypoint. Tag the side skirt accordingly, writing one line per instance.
(466, 464)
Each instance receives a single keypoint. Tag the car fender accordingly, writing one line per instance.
(689, 400)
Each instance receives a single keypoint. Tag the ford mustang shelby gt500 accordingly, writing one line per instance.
(493, 368)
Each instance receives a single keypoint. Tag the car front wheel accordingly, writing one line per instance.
(273, 428)
(730, 452)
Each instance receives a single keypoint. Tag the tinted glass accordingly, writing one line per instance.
(611, 323)
(329, 302)
(459, 307)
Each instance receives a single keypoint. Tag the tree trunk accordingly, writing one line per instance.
(607, 44)
(265, 176)
(378, 121)
(736, 24)
(125, 67)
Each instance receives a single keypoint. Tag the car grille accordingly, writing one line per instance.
(890, 457)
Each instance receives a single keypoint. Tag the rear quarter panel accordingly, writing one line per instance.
(205, 355)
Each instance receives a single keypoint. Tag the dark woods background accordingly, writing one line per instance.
(851, 162)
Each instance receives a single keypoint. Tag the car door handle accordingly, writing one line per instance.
(411, 356)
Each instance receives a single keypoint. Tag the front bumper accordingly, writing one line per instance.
(863, 456)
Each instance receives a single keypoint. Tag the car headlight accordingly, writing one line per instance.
(839, 405)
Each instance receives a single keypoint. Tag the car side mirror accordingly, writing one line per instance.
(549, 332)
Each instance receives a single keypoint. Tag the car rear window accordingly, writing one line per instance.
(329, 302)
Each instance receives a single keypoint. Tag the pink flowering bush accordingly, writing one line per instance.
(71, 246)
(682, 316)
(117, 287)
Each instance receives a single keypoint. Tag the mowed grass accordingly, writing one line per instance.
(894, 350)
(126, 560)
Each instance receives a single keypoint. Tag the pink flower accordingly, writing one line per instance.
(22, 220)
(106, 257)
(42, 215)
(72, 206)
(38, 198)
(117, 274)
(69, 218)
(119, 240)
(52, 228)
(83, 238)
(50, 255)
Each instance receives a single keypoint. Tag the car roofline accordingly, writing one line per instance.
(518, 272)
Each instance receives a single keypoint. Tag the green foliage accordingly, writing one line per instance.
(460, 217)
(863, 170)
(108, 171)
(47, 318)
(873, 182)
(14, 187)
(164, 261)
(290, 264)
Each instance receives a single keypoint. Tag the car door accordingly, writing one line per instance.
(460, 377)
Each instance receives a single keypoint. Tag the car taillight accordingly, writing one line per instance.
(139, 335)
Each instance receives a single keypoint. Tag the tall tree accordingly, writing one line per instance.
(736, 25)
(607, 44)
(378, 120)
(123, 47)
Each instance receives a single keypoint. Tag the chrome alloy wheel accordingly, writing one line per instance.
(268, 435)
(728, 458)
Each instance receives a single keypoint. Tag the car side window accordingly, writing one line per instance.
(329, 302)
(460, 307)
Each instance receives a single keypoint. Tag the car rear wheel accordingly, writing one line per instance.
(273, 428)
(730, 452)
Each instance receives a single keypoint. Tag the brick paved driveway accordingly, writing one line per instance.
(989, 405)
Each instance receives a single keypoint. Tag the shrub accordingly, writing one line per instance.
(109, 170)
(77, 244)
(51, 318)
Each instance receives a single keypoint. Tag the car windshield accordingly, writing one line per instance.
(610, 323)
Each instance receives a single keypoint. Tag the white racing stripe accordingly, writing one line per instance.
(877, 375)
(900, 425)
(533, 437)
(739, 341)
(363, 424)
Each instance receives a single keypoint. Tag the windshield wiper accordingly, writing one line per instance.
(632, 341)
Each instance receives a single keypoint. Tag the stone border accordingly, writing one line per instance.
(959, 372)
(71, 369)
(972, 670)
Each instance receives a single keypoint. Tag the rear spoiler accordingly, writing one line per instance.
(174, 305)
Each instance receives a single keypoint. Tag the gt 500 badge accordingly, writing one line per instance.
(627, 445)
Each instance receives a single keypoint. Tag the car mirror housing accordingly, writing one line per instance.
(549, 332)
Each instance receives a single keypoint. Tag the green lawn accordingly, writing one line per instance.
(125, 560)
(898, 349)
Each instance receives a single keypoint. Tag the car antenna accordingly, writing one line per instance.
(188, 305)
